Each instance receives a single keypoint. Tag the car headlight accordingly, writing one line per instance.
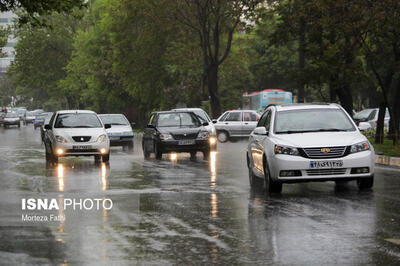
(203, 135)
(61, 139)
(129, 133)
(362, 146)
(101, 138)
(279, 149)
(165, 136)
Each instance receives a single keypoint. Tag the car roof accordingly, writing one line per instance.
(188, 109)
(302, 106)
(75, 111)
(172, 112)
(109, 114)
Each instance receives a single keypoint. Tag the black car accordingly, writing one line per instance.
(173, 131)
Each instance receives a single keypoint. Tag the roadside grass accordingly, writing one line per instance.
(386, 148)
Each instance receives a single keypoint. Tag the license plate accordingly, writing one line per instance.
(325, 164)
(186, 142)
(83, 147)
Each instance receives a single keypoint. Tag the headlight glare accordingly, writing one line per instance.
(279, 149)
(61, 139)
(101, 138)
(362, 146)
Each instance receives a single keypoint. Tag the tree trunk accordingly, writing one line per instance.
(302, 44)
(379, 136)
(212, 83)
(346, 99)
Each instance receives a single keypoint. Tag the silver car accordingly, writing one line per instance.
(236, 123)
(371, 116)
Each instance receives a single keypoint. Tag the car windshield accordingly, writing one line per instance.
(202, 115)
(178, 120)
(11, 115)
(364, 114)
(29, 114)
(77, 120)
(312, 120)
(114, 120)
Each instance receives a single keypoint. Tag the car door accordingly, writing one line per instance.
(257, 142)
(250, 120)
(233, 123)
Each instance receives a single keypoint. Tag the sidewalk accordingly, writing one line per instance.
(387, 160)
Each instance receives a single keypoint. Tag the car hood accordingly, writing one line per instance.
(119, 129)
(181, 130)
(11, 118)
(319, 139)
(70, 132)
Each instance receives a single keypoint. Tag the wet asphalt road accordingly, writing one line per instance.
(188, 212)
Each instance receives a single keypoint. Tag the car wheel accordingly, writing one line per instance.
(106, 158)
(193, 155)
(365, 183)
(146, 153)
(157, 151)
(130, 146)
(206, 154)
(222, 136)
(19, 125)
(97, 158)
(270, 185)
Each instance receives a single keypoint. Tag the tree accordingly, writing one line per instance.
(214, 23)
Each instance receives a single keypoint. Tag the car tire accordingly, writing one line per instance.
(129, 146)
(19, 125)
(97, 159)
(193, 155)
(157, 152)
(146, 153)
(206, 154)
(365, 183)
(222, 136)
(254, 181)
(105, 158)
(270, 185)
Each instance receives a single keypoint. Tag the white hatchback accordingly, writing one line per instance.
(76, 133)
(308, 142)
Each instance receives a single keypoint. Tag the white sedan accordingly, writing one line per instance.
(301, 143)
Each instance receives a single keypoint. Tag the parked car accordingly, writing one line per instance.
(39, 120)
(305, 142)
(11, 119)
(76, 133)
(121, 133)
(42, 127)
(176, 131)
(203, 116)
(29, 117)
(371, 116)
(236, 123)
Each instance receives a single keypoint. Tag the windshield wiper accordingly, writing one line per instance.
(82, 127)
(291, 131)
(329, 129)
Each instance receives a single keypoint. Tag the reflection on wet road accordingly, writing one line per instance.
(178, 211)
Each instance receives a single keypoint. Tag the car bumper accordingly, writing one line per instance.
(81, 149)
(120, 140)
(348, 171)
(173, 146)
(9, 123)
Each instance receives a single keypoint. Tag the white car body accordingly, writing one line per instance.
(320, 156)
(119, 135)
(78, 141)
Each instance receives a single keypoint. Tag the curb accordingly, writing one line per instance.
(387, 160)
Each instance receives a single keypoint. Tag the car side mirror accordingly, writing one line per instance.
(106, 126)
(260, 131)
(47, 127)
(150, 126)
(214, 121)
(205, 124)
(362, 126)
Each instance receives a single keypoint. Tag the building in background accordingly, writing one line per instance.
(8, 51)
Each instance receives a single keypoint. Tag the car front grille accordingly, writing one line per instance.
(182, 136)
(80, 151)
(332, 171)
(81, 138)
(324, 152)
